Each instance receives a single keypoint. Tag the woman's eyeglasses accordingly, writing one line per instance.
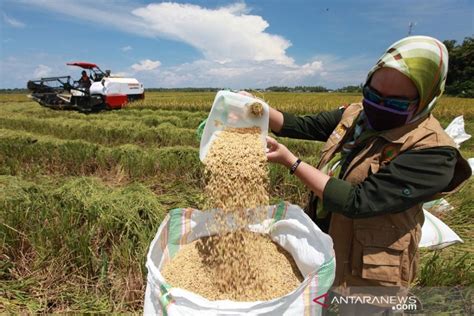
(398, 104)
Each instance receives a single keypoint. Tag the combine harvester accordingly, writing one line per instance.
(106, 92)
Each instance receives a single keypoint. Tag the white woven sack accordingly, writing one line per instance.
(287, 225)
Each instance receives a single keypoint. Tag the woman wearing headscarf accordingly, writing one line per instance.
(382, 159)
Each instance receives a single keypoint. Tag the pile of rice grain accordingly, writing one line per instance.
(235, 264)
(264, 271)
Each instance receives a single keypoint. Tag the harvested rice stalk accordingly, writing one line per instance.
(256, 109)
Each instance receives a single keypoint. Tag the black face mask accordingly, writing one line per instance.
(381, 118)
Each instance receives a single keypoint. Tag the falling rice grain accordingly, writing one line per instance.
(235, 264)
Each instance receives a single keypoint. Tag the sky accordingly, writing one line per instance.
(217, 43)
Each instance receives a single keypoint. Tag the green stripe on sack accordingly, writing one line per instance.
(438, 231)
(325, 277)
(164, 300)
(280, 211)
(174, 231)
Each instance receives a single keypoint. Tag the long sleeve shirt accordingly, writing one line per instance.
(410, 178)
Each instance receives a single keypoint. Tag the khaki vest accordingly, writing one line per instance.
(382, 250)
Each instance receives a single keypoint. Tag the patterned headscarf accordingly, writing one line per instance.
(424, 60)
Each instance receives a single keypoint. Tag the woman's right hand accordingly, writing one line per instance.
(278, 153)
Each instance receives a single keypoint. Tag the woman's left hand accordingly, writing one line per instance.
(279, 153)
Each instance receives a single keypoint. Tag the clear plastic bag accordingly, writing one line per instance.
(235, 110)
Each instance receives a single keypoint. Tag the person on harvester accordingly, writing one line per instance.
(84, 81)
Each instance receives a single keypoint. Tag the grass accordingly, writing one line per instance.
(113, 132)
(298, 103)
(75, 232)
(26, 153)
(82, 196)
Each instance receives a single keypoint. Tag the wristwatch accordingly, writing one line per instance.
(295, 165)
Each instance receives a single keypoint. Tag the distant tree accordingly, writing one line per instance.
(278, 89)
(350, 89)
(14, 90)
(310, 89)
(460, 81)
(297, 89)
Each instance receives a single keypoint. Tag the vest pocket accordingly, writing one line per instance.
(381, 264)
(379, 255)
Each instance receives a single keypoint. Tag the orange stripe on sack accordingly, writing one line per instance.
(315, 292)
(307, 300)
(164, 243)
(186, 226)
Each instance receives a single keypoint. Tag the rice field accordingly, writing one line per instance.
(82, 195)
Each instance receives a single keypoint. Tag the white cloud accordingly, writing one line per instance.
(325, 70)
(223, 34)
(126, 48)
(146, 65)
(239, 74)
(12, 22)
(42, 71)
(111, 14)
(237, 51)
(306, 70)
(121, 74)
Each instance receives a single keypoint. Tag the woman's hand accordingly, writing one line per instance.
(279, 153)
(314, 179)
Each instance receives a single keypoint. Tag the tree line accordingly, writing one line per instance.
(460, 81)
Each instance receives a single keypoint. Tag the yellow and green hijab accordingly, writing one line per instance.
(424, 60)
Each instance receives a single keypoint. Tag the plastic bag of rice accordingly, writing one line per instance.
(233, 110)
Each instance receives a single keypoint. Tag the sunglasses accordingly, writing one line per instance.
(398, 104)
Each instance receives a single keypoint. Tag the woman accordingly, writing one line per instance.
(382, 159)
